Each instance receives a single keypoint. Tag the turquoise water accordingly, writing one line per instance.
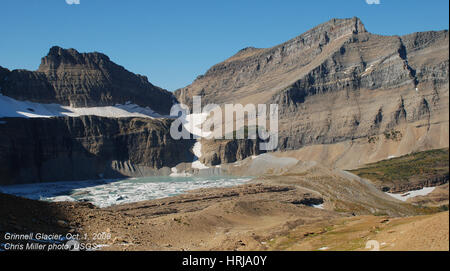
(103, 193)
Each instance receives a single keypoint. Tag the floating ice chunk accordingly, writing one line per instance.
(63, 198)
(176, 174)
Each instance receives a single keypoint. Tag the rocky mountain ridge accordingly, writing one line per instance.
(54, 147)
(68, 77)
(338, 82)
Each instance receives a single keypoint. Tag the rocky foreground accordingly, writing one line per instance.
(307, 207)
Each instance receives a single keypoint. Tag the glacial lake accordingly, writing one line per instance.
(104, 193)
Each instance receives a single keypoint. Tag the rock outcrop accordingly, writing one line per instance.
(68, 77)
(87, 148)
(219, 151)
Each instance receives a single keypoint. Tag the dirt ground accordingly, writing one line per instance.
(416, 233)
(257, 216)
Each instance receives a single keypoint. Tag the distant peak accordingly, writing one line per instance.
(245, 52)
(55, 50)
(247, 49)
(353, 24)
(359, 25)
(329, 31)
(59, 56)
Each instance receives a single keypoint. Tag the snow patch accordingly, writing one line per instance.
(411, 194)
(197, 150)
(368, 70)
(10, 107)
(318, 206)
(100, 246)
(193, 124)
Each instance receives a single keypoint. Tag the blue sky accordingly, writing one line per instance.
(172, 42)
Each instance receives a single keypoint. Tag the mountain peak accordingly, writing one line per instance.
(355, 24)
(68, 77)
(58, 56)
(336, 28)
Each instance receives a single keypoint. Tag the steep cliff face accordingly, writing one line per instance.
(83, 79)
(216, 152)
(337, 82)
(358, 93)
(87, 147)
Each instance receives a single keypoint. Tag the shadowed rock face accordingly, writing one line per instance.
(216, 152)
(337, 82)
(83, 79)
(87, 147)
